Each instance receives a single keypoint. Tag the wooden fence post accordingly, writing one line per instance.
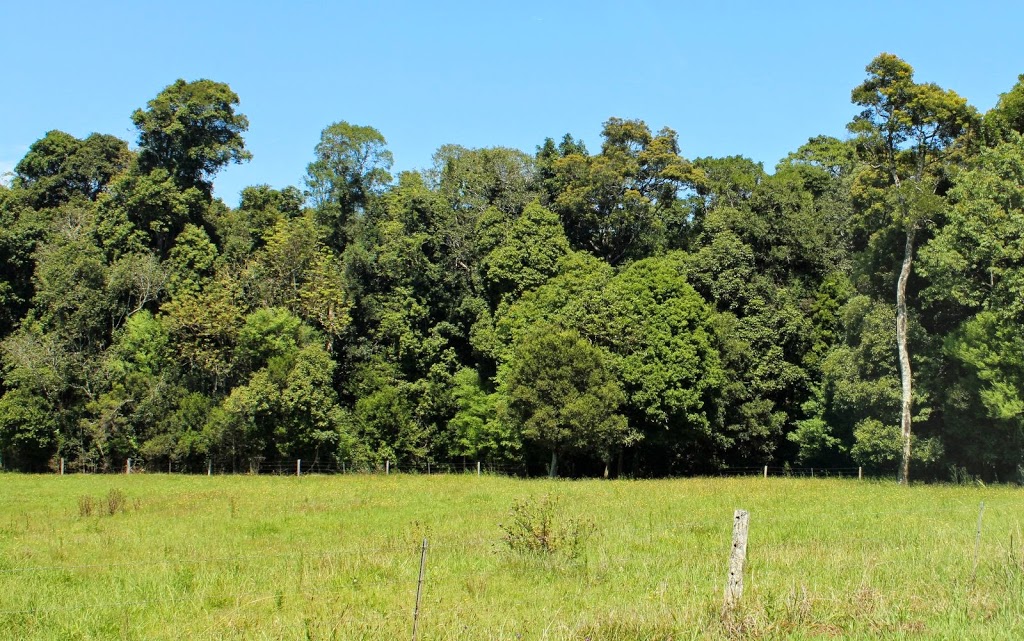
(478, 468)
(209, 468)
(860, 473)
(766, 471)
(737, 559)
(62, 466)
(128, 467)
(387, 467)
(298, 467)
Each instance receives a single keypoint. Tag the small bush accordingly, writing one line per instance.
(86, 505)
(536, 527)
(116, 502)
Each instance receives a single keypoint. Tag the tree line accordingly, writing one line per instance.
(622, 311)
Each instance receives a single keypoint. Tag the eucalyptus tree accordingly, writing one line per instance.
(905, 135)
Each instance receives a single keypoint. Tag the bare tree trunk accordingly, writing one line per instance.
(904, 351)
(553, 470)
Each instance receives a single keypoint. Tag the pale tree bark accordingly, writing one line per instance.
(904, 353)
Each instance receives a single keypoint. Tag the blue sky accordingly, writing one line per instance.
(747, 78)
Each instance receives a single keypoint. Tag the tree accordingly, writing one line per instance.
(661, 335)
(191, 130)
(974, 265)
(59, 167)
(475, 179)
(905, 133)
(621, 204)
(351, 166)
(563, 396)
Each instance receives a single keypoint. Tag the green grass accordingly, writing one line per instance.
(338, 558)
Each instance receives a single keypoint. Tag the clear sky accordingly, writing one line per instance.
(750, 78)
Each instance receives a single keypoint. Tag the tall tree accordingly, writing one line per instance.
(621, 204)
(191, 130)
(905, 133)
(351, 166)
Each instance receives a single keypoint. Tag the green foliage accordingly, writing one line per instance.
(191, 131)
(563, 396)
(665, 352)
(626, 305)
(59, 167)
(477, 429)
(620, 204)
(351, 168)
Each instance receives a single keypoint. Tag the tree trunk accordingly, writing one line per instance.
(553, 470)
(904, 351)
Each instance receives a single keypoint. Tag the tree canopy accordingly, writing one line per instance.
(627, 311)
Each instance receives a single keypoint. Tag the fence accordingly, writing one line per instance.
(299, 467)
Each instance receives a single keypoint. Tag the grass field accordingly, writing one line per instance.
(235, 557)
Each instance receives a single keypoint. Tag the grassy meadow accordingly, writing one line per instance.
(337, 557)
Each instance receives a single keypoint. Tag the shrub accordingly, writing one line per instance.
(536, 527)
(86, 505)
(116, 502)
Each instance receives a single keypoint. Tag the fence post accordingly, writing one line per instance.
(419, 588)
(62, 466)
(860, 473)
(128, 467)
(387, 467)
(209, 468)
(478, 468)
(766, 471)
(737, 559)
(298, 467)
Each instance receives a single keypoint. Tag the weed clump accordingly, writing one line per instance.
(115, 501)
(536, 526)
(86, 505)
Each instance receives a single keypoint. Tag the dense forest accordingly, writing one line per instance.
(618, 311)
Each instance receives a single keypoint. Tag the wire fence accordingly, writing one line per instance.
(299, 467)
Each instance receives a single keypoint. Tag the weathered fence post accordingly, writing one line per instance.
(298, 467)
(209, 468)
(737, 558)
(860, 473)
(419, 588)
(387, 467)
(62, 466)
(478, 468)
(766, 471)
(128, 467)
